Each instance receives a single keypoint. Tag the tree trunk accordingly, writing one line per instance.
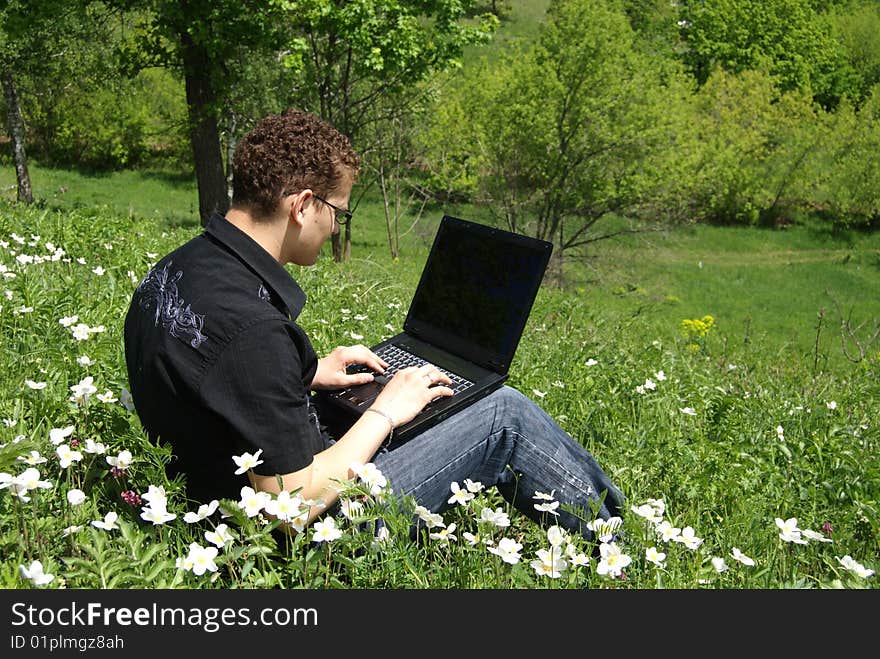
(15, 124)
(204, 133)
(231, 141)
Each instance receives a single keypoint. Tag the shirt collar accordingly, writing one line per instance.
(259, 260)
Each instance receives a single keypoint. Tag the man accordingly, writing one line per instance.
(219, 367)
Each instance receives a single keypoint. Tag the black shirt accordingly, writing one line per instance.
(216, 364)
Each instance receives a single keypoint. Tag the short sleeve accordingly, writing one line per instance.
(257, 388)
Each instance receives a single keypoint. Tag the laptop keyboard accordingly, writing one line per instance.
(398, 358)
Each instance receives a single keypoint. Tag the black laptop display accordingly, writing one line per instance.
(466, 317)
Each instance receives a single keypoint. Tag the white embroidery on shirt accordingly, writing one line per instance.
(160, 288)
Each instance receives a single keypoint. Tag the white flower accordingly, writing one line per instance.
(719, 564)
(82, 391)
(613, 560)
(605, 528)
(780, 433)
(789, 532)
(576, 558)
(549, 564)
(326, 531)
(444, 535)
(654, 556)
(25, 482)
(459, 495)
(507, 549)
(286, 507)
(495, 517)
(538, 393)
(473, 486)
(108, 523)
(543, 496)
(647, 511)
(371, 476)
(356, 336)
(84, 360)
(35, 574)
(57, 435)
(107, 397)
(75, 497)
(660, 375)
(121, 461)
(556, 536)
(667, 531)
(80, 331)
(99, 271)
(35, 385)
(66, 456)
(247, 461)
(688, 539)
(591, 362)
(351, 508)
(155, 496)
(33, 458)
(67, 321)
(851, 564)
(200, 559)
(690, 411)
(157, 514)
(71, 529)
(204, 512)
(549, 507)
(220, 536)
(472, 539)
(93, 447)
(831, 405)
(813, 535)
(742, 558)
(253, 502)
(430, 519)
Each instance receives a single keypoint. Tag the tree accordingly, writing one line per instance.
(786, 37)
(575, 128)
(26, 29)
(859, 32)
(201, 36)
(755, 143)
(846, 176)
(359, 64)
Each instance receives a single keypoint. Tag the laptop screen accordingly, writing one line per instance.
(477, 290)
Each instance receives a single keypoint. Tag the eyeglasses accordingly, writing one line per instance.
(338, 213)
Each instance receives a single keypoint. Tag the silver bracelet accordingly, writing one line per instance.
(387, 418)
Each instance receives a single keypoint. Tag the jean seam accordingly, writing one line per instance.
(560, 469)
(458, 458)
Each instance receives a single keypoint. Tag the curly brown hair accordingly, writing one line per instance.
(287, 152)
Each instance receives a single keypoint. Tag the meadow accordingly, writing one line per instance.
(703, 367)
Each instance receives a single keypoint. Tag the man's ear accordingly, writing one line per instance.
(295, 212)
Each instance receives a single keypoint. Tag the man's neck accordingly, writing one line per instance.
(268, 234)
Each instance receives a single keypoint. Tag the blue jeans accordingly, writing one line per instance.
(504, 440)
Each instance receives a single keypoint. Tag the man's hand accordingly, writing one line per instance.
(331, 373)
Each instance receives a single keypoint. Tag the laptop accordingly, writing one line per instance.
(466, 317)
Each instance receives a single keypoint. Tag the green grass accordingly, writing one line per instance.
(168, 197)
(723, 470)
